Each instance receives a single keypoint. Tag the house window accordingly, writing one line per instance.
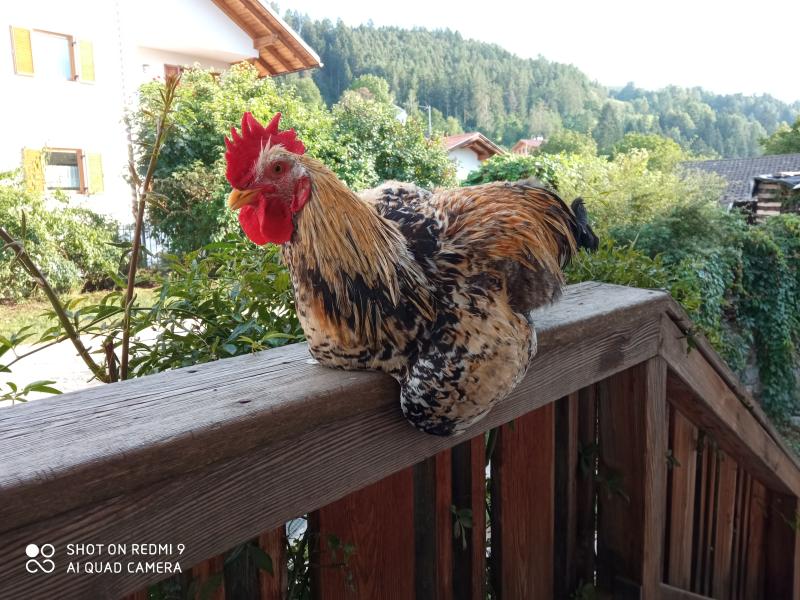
(64, 171)
(53, 55)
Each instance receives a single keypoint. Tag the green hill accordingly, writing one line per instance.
(507, 97)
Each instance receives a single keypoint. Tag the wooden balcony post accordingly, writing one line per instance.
(633, 455)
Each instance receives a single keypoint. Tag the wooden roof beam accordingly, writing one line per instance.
(264, 65)
(287, 40)
(274, 55)
(264, 41)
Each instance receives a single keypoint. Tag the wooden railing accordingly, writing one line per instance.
(630, 458)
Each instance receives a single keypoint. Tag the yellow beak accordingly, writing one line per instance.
(239, 198)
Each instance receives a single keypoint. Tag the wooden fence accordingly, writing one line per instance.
(630, 459)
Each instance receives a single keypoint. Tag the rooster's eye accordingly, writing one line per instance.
(277, 168)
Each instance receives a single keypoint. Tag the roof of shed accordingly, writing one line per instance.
(739, 172)
(789, 180)
(280, 49)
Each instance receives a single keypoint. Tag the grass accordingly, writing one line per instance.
(14, 317)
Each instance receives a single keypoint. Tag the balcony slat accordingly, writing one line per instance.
(523, 475)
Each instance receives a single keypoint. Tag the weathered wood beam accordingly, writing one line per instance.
(377, 522)
(265, 66)
(275, 55)
(782, 576)
(469, 491)
(682, 479)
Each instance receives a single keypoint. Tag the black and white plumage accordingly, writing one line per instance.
(435, 288)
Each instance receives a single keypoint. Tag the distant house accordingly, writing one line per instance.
(469, 150)
(69, 69)
(528, 146)
(740, 173)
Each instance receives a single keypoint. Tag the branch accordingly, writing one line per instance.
(168, 96)
(38, 277)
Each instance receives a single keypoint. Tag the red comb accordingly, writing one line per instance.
(243, 149)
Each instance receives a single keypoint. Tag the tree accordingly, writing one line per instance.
(372, 87)
(786, 140)
(307, 91)
(608, 130)
(570, 142)
(543, 120)
(513, 167)
(491, 90)
(663, 153)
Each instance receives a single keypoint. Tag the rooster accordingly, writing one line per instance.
(435, 288)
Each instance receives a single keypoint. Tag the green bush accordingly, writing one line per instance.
(663, 153)
(513, 167)
(189, 209)
(623, 264)
(228, 298)
(625, 193)
(770, 307)
(72, 246)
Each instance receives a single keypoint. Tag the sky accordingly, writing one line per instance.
(723, 46)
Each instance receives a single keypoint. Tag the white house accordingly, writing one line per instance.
(69, 69)
(469, 150)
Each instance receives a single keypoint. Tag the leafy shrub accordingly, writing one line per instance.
(570, 142)
(623, 264)
(513, 167)
(625, 193)
(72, 246)
(686, 229)
(663, 154)
(189, 208)
(230, 297)
(770, 305)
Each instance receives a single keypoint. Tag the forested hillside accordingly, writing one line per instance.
(507, 97)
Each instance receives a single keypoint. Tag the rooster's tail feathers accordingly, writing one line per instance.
(584, 236)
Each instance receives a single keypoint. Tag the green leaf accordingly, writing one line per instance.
(262, 560)
(41, 386)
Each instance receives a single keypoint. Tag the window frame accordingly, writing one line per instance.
(70, 44)
(80, 156)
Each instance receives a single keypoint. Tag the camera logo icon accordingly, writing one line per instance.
(34, 553)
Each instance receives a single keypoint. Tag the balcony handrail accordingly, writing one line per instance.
(212, 454)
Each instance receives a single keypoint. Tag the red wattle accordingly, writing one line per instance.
(267, 220)
(248, 219)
